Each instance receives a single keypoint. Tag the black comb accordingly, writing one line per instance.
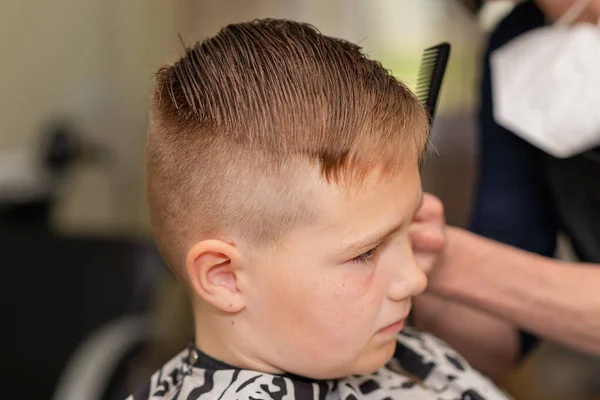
(431, 75)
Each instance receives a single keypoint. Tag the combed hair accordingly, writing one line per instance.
(236, 121)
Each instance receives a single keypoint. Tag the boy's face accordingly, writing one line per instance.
(326, 303)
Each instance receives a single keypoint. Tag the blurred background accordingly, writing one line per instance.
(75, 79)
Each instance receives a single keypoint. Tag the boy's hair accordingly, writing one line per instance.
(235, 123)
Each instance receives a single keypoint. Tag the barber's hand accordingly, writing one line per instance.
(427, 232)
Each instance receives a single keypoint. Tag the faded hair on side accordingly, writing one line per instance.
(233, 122)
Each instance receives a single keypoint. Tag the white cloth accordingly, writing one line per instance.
(546, 85)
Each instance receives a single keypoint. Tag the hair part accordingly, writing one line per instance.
(236, 120)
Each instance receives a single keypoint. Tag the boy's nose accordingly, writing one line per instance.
(409, 280)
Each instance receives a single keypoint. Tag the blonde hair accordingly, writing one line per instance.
(235, 119)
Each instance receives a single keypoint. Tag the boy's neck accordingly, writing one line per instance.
(224, 345)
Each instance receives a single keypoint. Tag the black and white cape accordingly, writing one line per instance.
(423, 367)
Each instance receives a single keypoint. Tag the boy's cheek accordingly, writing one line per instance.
(320, 301)
(356, 278)
(357, 305)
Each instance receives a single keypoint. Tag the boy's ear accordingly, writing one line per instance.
(213, 267)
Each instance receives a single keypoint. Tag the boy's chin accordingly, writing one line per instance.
(375, 359)
(368, 362)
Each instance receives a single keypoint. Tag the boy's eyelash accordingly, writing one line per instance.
(367, 256)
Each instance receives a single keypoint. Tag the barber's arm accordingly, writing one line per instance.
(489, 343)
(494, 288)
(557, 300)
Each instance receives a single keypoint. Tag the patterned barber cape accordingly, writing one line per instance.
(423, 367)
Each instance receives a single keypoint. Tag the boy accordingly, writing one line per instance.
(282, 175)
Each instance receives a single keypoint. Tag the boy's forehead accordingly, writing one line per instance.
(374, 199)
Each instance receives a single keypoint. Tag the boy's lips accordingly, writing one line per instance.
(393, 328)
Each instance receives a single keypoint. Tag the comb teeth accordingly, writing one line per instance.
(431, 74)
(425, 71)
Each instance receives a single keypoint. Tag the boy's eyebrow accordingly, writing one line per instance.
(378, 238)
(371, 241)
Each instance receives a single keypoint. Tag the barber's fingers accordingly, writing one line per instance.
(425, 261)
(427, 237)
(432, 209)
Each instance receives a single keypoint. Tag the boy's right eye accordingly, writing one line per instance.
(366, 257)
